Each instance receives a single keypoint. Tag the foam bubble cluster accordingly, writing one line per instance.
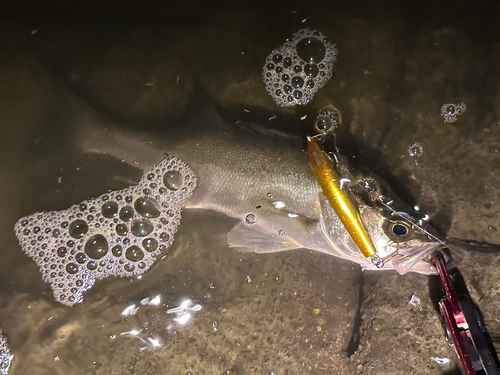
(5, 356)
(450, 112)
(415, 150)
(120, 233)
(294, 72)
(328, 120)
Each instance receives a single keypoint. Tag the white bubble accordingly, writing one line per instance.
(328, 120)
(415, 150)
(93, 241)
(451, 112)
(250, 219)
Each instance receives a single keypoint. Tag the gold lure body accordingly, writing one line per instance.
(339, 199)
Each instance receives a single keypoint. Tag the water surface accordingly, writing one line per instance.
(285, 313)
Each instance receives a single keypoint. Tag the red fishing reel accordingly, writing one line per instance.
(465, 327)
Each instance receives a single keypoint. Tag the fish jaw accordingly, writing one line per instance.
(416, 260)
(419, 262)
(413, 256)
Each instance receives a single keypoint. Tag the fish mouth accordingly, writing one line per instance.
(417, 260)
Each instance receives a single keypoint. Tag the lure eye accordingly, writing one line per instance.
(398, 230)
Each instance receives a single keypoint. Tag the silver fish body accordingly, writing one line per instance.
(260, 177)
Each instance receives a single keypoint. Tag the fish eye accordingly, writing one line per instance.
(398, 230)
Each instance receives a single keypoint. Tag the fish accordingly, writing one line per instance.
(261, 177)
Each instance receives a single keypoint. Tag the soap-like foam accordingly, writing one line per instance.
(119, 233)
(296, 70)
(5, 355)
(451, 112)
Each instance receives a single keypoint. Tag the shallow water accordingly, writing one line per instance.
(284, 313)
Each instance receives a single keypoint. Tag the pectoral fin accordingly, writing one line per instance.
(256, 239)
(286, 219)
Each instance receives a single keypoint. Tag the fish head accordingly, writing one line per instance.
(401, 243)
